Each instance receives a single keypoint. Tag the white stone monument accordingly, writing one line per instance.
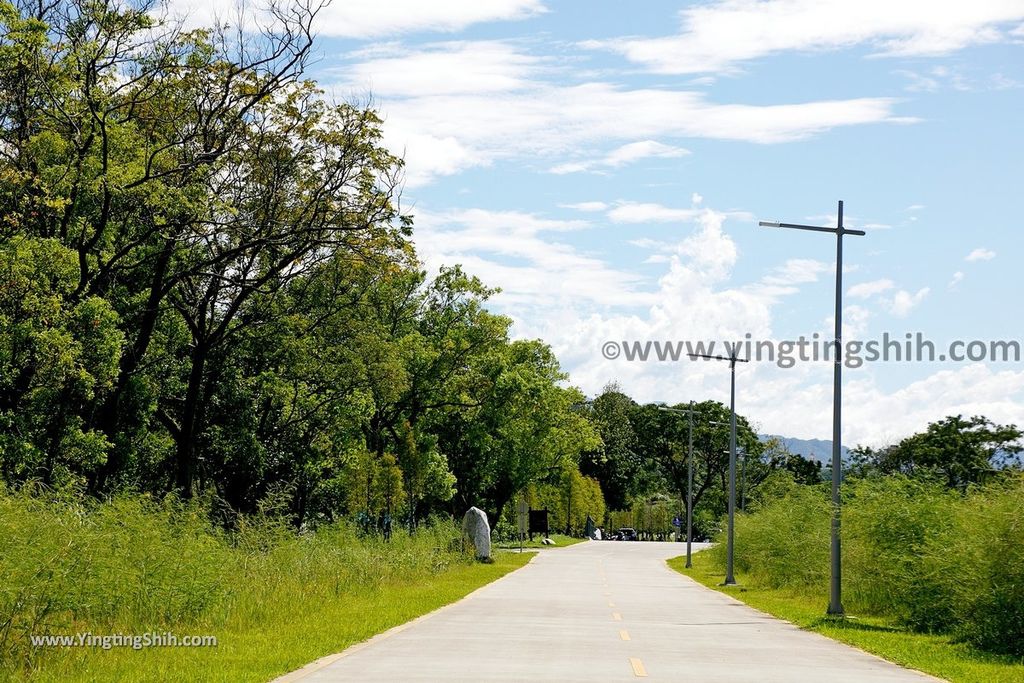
(474, 525)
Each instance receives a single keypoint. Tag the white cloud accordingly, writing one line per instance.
(586, 206)
(450, 68)
(903, 302)
(717, 36)
(865, 290)
(508, 107)
(981, 254)
(648, 243)
(953, 78)
(576, 301)
(636, 212)
(373, 18)
(523, 254)
(958, 277)
(797, 271)
(696, 199)
(878, 416)
(626, 154)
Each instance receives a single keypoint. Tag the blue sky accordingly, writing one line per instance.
(606, 163)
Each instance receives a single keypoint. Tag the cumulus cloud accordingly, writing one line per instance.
(903, 302)
(865, 290)
(981, 254)
(649, 212)
(575, 300)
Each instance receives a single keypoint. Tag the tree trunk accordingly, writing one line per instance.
(108, 420)
(191, 414)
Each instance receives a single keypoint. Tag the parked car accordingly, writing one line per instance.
(626, 534)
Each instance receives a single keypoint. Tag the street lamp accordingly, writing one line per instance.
(835, 604)
(743, 473)
(689, 479)
(730, 580)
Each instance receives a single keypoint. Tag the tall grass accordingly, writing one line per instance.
(936, 560)
(136, 565)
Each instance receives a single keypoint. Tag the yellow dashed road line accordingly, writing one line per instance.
(638, 667)
(624, 634)
(616, 616)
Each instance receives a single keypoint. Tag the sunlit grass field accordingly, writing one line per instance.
(274, 600)
(937, 655)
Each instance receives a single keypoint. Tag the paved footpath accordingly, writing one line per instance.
(601, 611)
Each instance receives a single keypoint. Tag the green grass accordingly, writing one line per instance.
(934, 654)
(258, 645)
(275, 600)
(560, 542)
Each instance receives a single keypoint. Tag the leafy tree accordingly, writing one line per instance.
(663, 440)
(570, 498)
(523, 427)
(959, 451)
(804, 470)
(57, 356)
(622, 472)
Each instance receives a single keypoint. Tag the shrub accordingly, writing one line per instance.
(981, 564)
(785, 544)
(928, 556)
(888, 522)
(133, 564)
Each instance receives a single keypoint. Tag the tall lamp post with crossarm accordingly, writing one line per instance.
(730, 580)
(689, 479)
(835, 604)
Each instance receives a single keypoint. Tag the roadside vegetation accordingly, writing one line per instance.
(933, 568)
(233, 398)
(274, 600)
(940, 655)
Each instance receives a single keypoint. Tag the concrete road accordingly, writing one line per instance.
(601, 611)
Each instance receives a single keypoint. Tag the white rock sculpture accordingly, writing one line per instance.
(474, 525)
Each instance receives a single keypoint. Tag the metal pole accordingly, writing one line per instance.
(689, 496)
(729, 578)
(743, 483)
(835, 605)
(730, 536)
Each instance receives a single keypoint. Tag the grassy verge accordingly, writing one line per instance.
(273, 599)
(287, 636)
(560, 542)
(934, 654)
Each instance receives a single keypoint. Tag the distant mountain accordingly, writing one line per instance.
(812, 449)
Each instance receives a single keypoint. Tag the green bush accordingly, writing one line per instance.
(981, 563)
(67, 562)
(887, 524)
(935, 559)
(785, 543)
(136, 565)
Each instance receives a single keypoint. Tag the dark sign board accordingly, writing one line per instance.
(539, 522)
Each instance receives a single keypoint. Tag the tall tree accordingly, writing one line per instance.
(617, 464)
(961, 451)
